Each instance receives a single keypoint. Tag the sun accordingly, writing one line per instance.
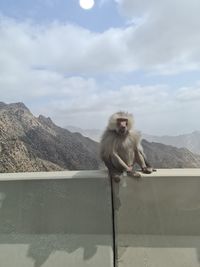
(86, 4)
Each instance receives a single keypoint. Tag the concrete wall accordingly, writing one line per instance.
(158, 219)
(65, 219)
(55, 219)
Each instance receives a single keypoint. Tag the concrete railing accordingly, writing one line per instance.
(70, 219)
(55, 220)
(157, 220)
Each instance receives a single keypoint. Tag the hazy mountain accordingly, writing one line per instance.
(93, 134)
(190, 141)
(165, 156)
(28, 143)
(159, 155)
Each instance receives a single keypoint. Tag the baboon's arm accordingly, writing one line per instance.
(140, 158)
(121, 162)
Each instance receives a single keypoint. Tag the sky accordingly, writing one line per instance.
(79, 66)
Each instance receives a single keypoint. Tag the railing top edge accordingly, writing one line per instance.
(93, 174)
(57, 175)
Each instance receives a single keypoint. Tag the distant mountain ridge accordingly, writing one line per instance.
(164, 156)
(93, 134)
(159, 155)
(190, 141)
(29, 143)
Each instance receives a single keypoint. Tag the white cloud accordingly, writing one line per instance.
(189, 94)
(36, 58)
(156, 109)
(62, 47)
(166, 40)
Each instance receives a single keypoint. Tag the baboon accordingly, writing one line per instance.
(120, 147)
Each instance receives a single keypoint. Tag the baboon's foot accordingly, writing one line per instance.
(116, 178)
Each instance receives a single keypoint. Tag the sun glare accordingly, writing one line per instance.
(86, 4)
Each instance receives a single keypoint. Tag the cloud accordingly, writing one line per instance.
(52, 68)
(189, 94)
(163, 38)
(62, 47)
(168, 40)
(156, 109)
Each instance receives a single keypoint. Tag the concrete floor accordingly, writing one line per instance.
(158, 251)
(55, 250)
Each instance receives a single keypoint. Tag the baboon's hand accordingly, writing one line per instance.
(130, 169)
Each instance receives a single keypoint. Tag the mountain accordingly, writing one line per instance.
(28, 143)
(158, 154)
(93, 134)
(190, 141)
(165, 156)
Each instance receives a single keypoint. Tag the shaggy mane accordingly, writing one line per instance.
(120, 115)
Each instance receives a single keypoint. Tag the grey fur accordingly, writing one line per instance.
(120, 151)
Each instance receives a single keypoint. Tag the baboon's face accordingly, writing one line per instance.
(122, 126)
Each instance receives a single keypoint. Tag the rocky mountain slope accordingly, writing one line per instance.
(28, 143)
(164, 156)
(93, 134)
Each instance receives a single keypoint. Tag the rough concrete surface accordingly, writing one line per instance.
(158, 220)
(55, 222)
(65, 219)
